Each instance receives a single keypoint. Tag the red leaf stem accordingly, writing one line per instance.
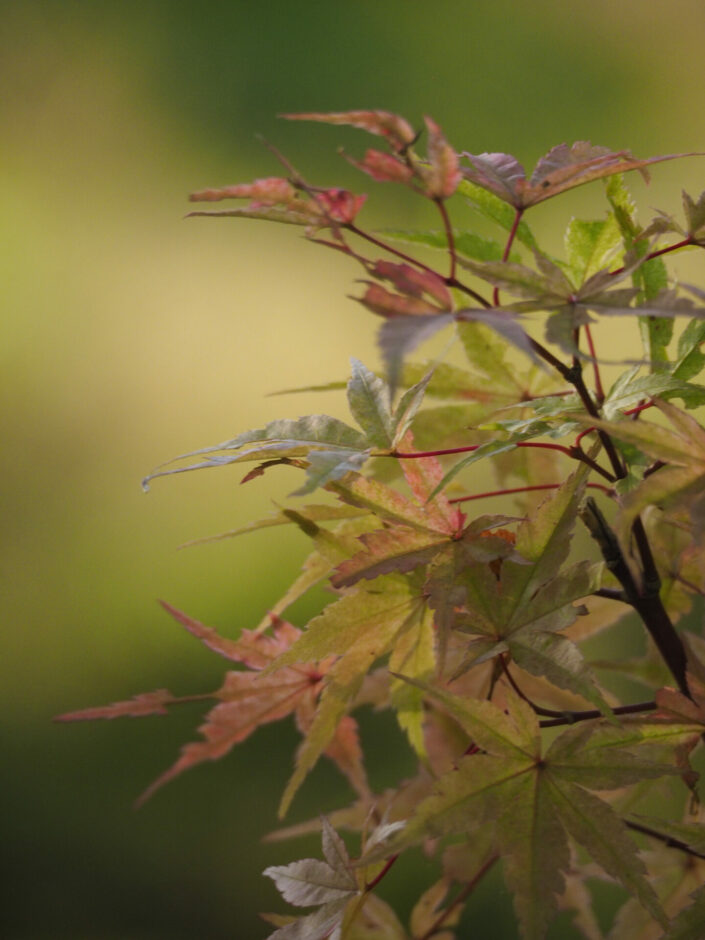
(524, 489)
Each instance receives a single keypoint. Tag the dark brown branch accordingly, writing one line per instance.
(667, 840)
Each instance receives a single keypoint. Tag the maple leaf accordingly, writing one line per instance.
(522, 608)
(561, 168)
(535, 800)
(329, 448)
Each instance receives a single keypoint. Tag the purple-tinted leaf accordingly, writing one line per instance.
(507, 325)
(400, 335)
(500, 173)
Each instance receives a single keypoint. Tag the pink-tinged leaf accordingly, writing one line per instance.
(255, 650)
(397, 131)
(401, 334)
(148, 703)
(346, 753)
(386, 502)
(442, 178)
(340, 205)
(248, 702)
(398, 549)
(423, 477)
(271, 191)
(414, 283)
(387, 304)
(500, 173)
(383, 167)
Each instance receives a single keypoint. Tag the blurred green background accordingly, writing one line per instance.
(131, 336)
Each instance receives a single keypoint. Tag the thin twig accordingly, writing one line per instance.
(461, 896)
(662, 837)
(525, 489)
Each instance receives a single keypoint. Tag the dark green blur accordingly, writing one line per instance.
(131, 336)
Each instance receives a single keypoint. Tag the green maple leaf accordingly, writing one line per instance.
(523, 611)
(357, 629)
(536, 800)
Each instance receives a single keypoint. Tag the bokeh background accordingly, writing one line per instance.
(130, 335)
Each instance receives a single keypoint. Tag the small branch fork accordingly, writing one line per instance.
(667, 840)
(558, 718)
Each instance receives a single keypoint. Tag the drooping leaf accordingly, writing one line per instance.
(247, 701)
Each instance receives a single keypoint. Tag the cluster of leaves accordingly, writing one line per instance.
(471, 629)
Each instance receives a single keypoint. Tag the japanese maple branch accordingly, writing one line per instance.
(570, 718)
(646, 599)
(566, 717)
(667, 840)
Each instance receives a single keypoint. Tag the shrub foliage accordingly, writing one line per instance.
(466, 613)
